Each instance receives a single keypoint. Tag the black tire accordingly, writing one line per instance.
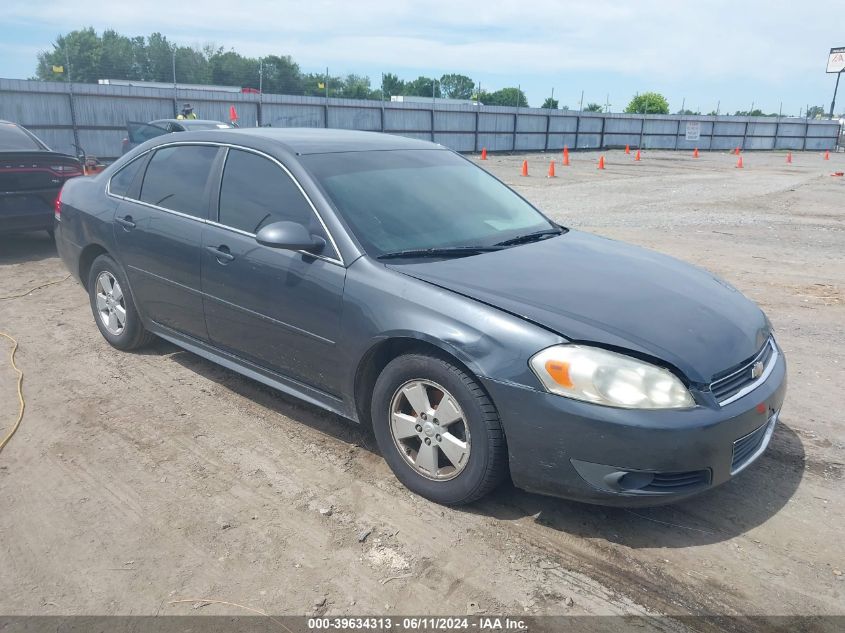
(133, 335)
(486, 465)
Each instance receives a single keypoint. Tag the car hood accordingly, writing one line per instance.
(596, 290)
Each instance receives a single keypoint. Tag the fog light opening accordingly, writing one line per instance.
(635, 481)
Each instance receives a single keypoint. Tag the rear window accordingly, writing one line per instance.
(13, 137)
(176, 178)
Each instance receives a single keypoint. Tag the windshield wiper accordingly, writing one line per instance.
(454, 251)
(530, 237)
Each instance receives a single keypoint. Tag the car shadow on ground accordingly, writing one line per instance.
(17, 248)
(730, 510)
(745, 502)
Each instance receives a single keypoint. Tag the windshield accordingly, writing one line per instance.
(421, 199)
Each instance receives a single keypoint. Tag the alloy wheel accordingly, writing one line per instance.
(429, 429)
(111, 304)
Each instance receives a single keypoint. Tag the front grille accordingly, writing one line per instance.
(746, 449)
(740, 381)
(678, 482)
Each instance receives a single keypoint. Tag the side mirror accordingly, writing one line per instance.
(290, 236)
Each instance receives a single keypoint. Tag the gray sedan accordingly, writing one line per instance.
(393, 282)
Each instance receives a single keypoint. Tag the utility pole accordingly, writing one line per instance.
(259, 121)
(326, 86)
(71, 102)
(175, 95)
(607, 103)
(581, 107)
(835, 89)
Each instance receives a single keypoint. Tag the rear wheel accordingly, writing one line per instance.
(438, 430)
(114, 307)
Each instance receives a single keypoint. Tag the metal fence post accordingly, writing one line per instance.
(744, 135)
(73, 122)
(577, 128)
(515, 124)
(477, 124)
(601, 135)
(548, 127)
(642, 133)
(432, 122)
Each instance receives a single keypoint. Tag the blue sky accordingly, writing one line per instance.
(734, 53)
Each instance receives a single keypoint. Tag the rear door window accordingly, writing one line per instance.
(256, 192)
(121, 182)
(176, 178)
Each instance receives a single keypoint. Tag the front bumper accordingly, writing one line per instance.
(586, 452)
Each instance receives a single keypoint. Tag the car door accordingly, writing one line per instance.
(158, 231)
(280, 309)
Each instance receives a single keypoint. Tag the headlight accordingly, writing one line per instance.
(597, 375)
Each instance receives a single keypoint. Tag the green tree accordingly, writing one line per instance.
(192, 66)
(422, 87)
(282, 75)
(815, 112)
(512, 97)
(84, 50)
(355, 87)
(455, 86)
(648, 103)
(391, 85)
(550, 104)
(314, 84)
(593, 107)
(158, 59)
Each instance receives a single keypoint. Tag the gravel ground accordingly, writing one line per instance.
(141, 479)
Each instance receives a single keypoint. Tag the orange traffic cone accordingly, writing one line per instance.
(565, 156)
(483, 153)
(827, 155)
(551, 169)
(627, 149)
(736, 151)
(739, 163)
(525, 168)
(233, 114)
(601, 162)
(637, 155)
(695, 153)
(789, 158)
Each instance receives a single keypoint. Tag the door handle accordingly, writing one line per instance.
(221, 252)
(126, 222)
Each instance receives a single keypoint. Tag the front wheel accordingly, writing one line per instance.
(438, 430)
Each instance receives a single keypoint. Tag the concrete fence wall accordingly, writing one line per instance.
(94, 117)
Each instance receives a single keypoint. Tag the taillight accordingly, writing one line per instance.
(57, 207)
(66, 170)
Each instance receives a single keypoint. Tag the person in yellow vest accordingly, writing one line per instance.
(187, 112)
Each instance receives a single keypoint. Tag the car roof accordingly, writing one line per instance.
(188, 121)
(313, 140)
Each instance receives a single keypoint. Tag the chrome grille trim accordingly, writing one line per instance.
(761, 437)
(752, 385)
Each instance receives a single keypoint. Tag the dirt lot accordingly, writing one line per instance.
(141, 479)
